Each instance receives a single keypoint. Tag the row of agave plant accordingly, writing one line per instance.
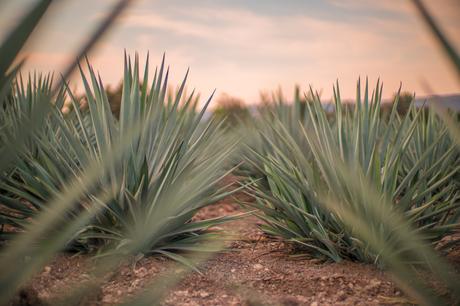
(412, 162)
(357, 183)
(354, 184)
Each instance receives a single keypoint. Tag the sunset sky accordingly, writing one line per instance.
(245, 47)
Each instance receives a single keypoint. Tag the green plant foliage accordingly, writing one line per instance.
(353, 184)
(19, 125)
(448, 47)
(169, 172)
(391, 235)
(274, 108)
(411, 161)
(404, 102)
(232, 110)
(73, 163)
(15, 40)
(17, 128)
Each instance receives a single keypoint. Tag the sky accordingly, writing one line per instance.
(245, 47)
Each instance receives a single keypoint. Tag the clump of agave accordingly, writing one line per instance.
(82, 181)
(146, 201)
(410, 161)
(272, 109)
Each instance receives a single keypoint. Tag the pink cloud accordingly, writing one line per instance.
(294, 49)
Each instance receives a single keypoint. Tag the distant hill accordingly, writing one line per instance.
(451, 101)
(448, 101)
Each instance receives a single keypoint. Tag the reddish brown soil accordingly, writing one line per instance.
(257, 271)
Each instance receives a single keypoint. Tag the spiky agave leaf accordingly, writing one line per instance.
(425, 192)
(31, 250)
(393, 237)
(176, 153)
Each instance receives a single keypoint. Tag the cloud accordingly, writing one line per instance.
(282, 36)
(241, 47)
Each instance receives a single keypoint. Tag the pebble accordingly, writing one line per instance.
(204, 294)
(258, 267)
(301, 299)
(107, 298)
(181, 292)
(341, 295)
(141, 272)
(85, 276)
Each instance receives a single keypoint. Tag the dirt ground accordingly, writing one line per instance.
(256, 271)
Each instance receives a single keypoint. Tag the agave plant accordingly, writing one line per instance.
(169, 172)
(437, 175)
(72, 190)
(19, 124)
(423, 189)
(272, 109)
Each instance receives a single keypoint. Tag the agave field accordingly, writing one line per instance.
(161, 203)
